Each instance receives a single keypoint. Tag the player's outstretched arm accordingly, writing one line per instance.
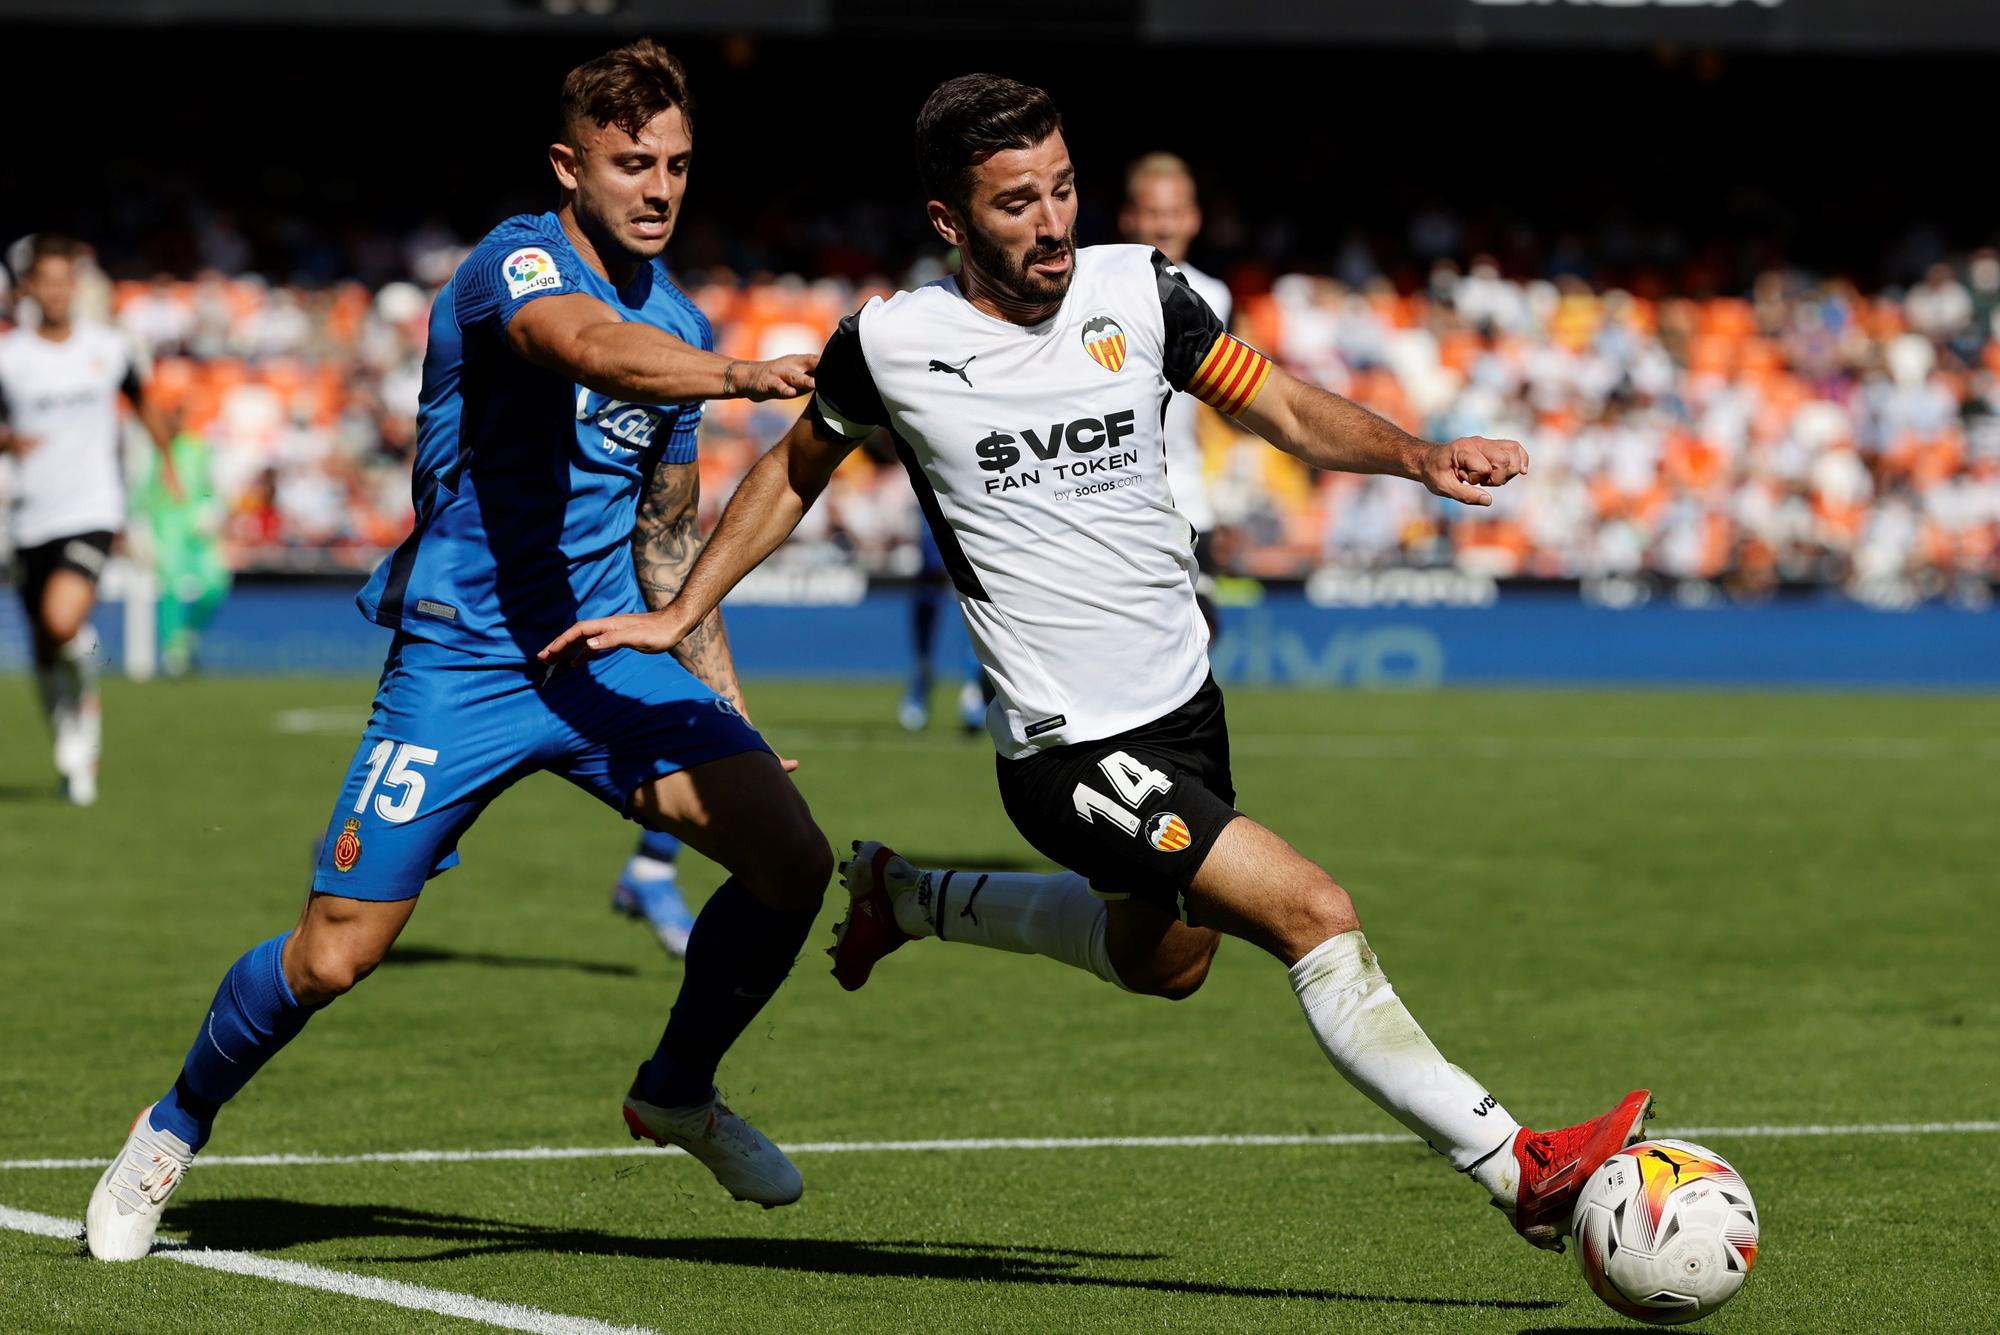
(1328, 431)
(775, 494)
(583, 339)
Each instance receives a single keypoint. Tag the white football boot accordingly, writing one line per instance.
(125, 1207)
(743, 1159)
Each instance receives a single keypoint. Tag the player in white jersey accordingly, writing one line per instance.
(60, 382)
(1025, 395)
(1161, 211)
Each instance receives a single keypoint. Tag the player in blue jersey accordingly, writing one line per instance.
(555, 480)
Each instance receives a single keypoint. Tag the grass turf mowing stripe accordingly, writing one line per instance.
(415, 1297)
(539, 1152)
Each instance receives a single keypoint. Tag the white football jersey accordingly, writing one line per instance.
(1038, 458)
(1184, 462)
(65, 396)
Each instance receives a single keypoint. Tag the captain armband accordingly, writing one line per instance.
(1230, 376)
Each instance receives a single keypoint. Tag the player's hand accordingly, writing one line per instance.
(1460, 470)
(14, 443)
(788, 764)
(648, 632)
(780, 378)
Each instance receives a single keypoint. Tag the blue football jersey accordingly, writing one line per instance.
(526, 484)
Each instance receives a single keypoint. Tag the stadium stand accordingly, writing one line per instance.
(1805, 431)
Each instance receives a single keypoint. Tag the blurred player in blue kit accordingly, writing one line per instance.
(649, 889)
(555, 480)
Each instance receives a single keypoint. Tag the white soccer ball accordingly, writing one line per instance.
(1665, 1231)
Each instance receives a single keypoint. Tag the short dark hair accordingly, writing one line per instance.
(625, 87)
(51, 246)
(968, 119)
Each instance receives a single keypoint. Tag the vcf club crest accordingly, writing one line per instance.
(1104, 341)
(347, 848)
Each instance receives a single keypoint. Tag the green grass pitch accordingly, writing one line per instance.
(1777, 910)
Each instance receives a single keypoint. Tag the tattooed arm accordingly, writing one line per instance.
(665, 542)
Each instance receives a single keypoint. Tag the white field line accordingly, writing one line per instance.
(989, 1144)
(415, 1297)
(342, 719)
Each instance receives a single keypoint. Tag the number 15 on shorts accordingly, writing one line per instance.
(393, 765)
(1132, 781)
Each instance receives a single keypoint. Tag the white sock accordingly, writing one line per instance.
(78, 717)
(1053, 915)
(641, 869)
(49, 684)
(1372, 1040)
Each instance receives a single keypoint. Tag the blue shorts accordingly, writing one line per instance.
(451, 732)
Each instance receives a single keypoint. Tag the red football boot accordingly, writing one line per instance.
(869, 930)
(1555, 1164)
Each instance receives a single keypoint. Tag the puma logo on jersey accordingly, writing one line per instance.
(958, 370)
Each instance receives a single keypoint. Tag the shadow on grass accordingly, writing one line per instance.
(38, 794)
(488, 960)
(265, 1224)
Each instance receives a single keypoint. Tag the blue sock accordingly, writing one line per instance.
(253, 1015)
(740, 951)
(662, 847)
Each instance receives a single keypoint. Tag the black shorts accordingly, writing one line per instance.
(85, 553)
(1136, 813)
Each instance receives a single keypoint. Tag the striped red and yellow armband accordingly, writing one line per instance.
(1230, 376)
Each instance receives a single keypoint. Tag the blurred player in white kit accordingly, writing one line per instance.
(60, 382)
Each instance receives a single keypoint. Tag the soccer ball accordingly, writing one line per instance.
(1665, 1231)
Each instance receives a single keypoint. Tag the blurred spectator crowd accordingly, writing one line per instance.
(1802, 431)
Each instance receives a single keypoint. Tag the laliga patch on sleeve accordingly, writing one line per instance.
(530, 270)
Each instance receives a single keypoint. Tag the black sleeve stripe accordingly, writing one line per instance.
(956, 563)
(846, 383)
(1192, 325)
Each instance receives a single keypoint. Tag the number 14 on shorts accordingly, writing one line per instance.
(393, 765)
(1131, 780)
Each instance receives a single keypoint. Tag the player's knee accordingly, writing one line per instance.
(793, 870)
(1176, 970)
(63, 625)
(323, 970)
(1323, 912)
(1184, 982)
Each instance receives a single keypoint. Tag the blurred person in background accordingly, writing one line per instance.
(1161, 211)
(926, 601)
(649, 889)
(60, 385)
(186, 525)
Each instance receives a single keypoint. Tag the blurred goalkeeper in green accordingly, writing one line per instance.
(187, 549)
